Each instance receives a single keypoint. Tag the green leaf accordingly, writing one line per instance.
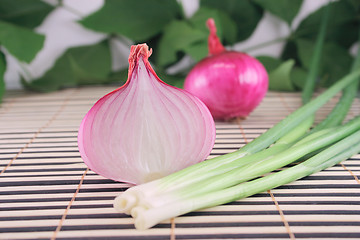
(178, 36)
(119, 77)
(198, 50)
(20, 42)
(173, 80)
(342, 27)
(226, 27)
(335, 60)
(245, 14)
(279, 78)
(229, 28)
(269, 63)
(25, 13)
(290, 51)
(77, 66)
(283, 9)
(136, 19)
(298, 77)
(2, 72)
(198, 20)
(355, 4)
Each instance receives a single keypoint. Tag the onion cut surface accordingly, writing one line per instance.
(145, 129)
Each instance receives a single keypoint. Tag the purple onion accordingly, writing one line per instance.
(231, 84)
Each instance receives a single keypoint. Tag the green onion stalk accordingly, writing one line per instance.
(310, 81)
(339, 112)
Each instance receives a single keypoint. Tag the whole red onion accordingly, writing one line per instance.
(231, 84)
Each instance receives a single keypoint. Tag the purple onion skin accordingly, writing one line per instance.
(231, 84)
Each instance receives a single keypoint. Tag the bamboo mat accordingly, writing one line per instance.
(46, 192)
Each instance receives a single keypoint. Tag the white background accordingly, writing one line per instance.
(62, 31)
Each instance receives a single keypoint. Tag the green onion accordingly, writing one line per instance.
(255, 168)
(311, 77)
(299, 115)
(342, 107)
(207, 169)
(310, 81)
(146, 218)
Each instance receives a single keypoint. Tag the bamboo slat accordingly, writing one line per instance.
(47, 192)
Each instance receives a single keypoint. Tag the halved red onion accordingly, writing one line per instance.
(145, 129)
